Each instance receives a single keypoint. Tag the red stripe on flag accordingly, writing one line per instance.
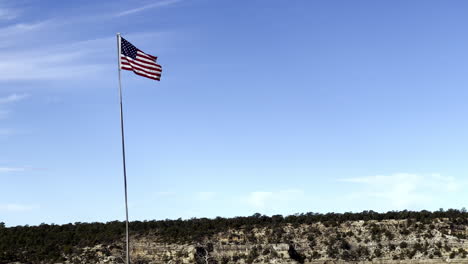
(139, 65)
(145, 59)
(156, 79)
(141, 72)
(136, 65)
(157, 73)
(142, 63)
(149, 56)
(144, 75)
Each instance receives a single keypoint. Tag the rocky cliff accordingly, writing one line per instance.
(386, 242)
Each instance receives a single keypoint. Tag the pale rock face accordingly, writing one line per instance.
(371, 242)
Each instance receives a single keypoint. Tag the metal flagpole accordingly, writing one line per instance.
(123, 151)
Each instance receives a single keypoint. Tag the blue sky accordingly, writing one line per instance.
(277, 107)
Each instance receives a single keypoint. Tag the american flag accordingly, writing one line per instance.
(133, 59)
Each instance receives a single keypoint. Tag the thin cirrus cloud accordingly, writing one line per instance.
(19, 169)
(403, 190)
(62, 62)
(205, 196)
(12, 98)
(259, 199)
(266, 200)
(87, 58)
(149, 6)
(8, 14)
(6, 132)
(50, 71)
(59, 65)
(12, 169)
(22, 29)
(14, 207)
(4, 114)
(23, 47)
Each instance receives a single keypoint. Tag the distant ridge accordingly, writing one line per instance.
(299, 238)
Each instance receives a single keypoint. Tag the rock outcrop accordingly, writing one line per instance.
(360, 242)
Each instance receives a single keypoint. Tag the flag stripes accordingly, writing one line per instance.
(130, 64)
(133, 59)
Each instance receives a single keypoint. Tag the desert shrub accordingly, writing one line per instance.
(389, 235)
(462, 252)
(378, 253)
(345, 244)
(293, 254)
(225, 260)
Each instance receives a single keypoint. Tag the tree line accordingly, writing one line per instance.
(49, 242)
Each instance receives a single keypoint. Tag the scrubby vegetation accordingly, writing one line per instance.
(329, 235)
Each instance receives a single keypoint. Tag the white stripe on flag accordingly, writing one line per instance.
(140, 67)
(143, 64)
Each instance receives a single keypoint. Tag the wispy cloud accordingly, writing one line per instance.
(29, 54)
(4, 114)
(12, 169)
(39, 61)
(62, 63)
(20, 169)
(404, 190)
(162, 3)
(8, 13)
(6, 132)
(205, 196)
(13, 98)
(266, 200)
(49, 72)
(13, 207)
(23, 28)
(69, 61)
(259, 199)
(167, 193)
(29, 62)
